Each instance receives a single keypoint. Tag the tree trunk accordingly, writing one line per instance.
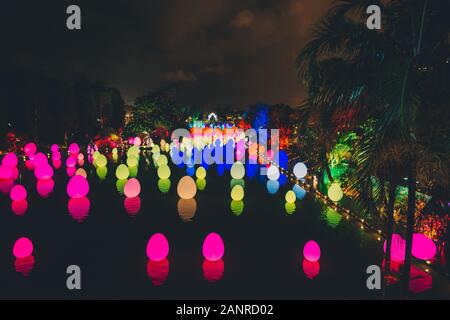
(410, 221)
(327, 166)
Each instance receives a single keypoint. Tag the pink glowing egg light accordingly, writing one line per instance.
(71, 162)
(71, 171)
(23, 247)
(40, 159)
(398, 248)
(74, 149)
(18, 193)
(132, 188)
(19, 207)
(56, 156)
(5, 172)
(157, 247)
(213, 247)
(30, 149)
(43, 172)
(78, 187)
(10, 160)
(54, 148)
(423, 248)
(45, 187)
(311, 251)
(56, 164)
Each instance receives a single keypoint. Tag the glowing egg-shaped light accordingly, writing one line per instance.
(40, 159)
(132, 188)
(23, 247)
(200, 173)
(134, 172)
(237, 193)
(311, 269)
(114, 151)
(44, 171)
(19, 207)
(102, 172)
(18, 193)
(101, 161)
(156, 149)
(56, 156)
(120, 185)
(162, 160)
(201, 184)
(71, 171)
(300, 170)
(237, 170)
(186, 189)
(164, 172)
(133, 151)
(5, 172)
(71, 162)
(80, 157)
(30, 149)
(273, 173)
(132, 161)
(56, 164)
(74, 149)
(213, 247)
(289, 207)
(122, 172)
(45, 187)
(96, 155)
(6, 186)
(78, 187)
(290, 197)
(335, 192)
(157, 247)
(299, 192)
(164, 185)
(137, 142)
(81, 172)
(10, 160)
(311, 251)
(423, 248)
(398, 245)
(54, 148)
(237, 207)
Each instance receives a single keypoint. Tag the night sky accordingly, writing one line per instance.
(220, 53)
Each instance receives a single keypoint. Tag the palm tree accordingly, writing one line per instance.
(380, 80)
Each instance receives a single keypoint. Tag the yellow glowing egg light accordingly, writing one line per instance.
(81, 172)
(122, 172)
(237, 193)
(290, 196)
(156, 149)
(200, 173)
(95, 155)
(289, 207)
(162, 160)
(237, 170)
(163, 143)
(201, 184)
(133, 172)
(102, 172)
(120, 185)
(132, 161)
(167, 147)
(133, 151)
(115, 151)
(101, 161)
(164, 172)
(186, 189)
(237, 207)
(335, 192)
(164, 185)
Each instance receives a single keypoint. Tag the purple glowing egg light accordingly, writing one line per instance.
(311, 251)
(18, 193)
(23, 247)
(213, 247)
(78, 187)
(157, 247)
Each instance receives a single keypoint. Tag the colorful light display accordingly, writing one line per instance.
(290, 197)
(78, 187)
(213, 247)
(23, 247)
(132, 188)
(335, 192)
(300, 170)
(18, 193)
(311, 251)
(237, 193)
(157, 247)
(186, 189)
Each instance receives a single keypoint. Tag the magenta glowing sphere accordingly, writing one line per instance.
(54, 148)
(30, 149)
(18, 193)
(71, 171)
(213, 247)
(78, 187)
(44, 171)
(19, 207)
(56, 164)
(40, 159)
(23, 247)
(137, 141)
(45, 187)
(56, 156)
(132, 188)
(398, 248)
(74, 149)
(10, 160)
(79, 208)
(423, 248)
(6, 186)
(71, 162)
(6, 172)
(29, 164)
(311, 251)
(157, 247)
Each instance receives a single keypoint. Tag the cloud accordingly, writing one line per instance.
(243, 19)
(180, 76)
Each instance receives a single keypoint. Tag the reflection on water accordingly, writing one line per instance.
(187, 209)
(420, 280)
(102, 172)
(300, 193)
(213, 270)
(19, 207)
(158, 271)
(164, 185)
(79, 208)
(6, 186)
(45, 187)
(311, 269)
(237, 207)
(332, 217)
(120, 185)
(24, 265)
(201, 184)
(290, 207)
(133, 171)
(71, 171)
(273, 186)
(132, 205)
(236, 182)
